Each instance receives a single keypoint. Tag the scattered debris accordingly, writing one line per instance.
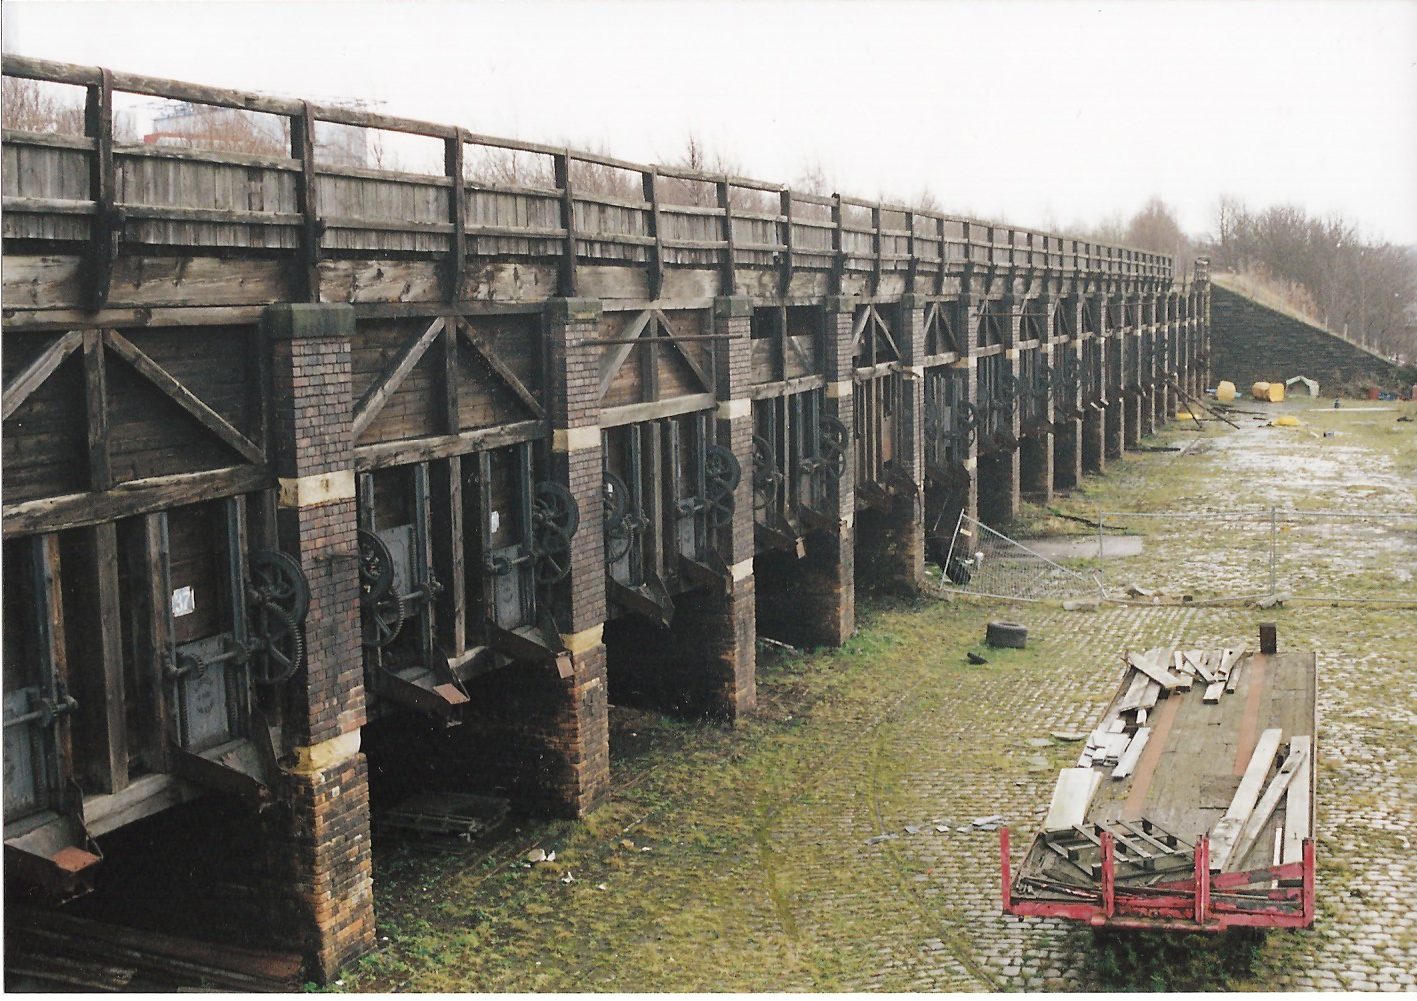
(1082, 605)
(985, 822)
(1068, 736)
(942, 828)
(911, 829)
(568, 878)
(769, 641)
(1039, 742)
(536, 855)
(880, 838)
(1137, 591)
(975, 658)
(601, 886)
(1272, 600)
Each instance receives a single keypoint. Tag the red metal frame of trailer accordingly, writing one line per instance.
(1277, 896)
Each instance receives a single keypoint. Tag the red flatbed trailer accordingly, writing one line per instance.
(1209, 823)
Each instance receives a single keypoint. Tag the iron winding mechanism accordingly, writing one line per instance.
(278, 597)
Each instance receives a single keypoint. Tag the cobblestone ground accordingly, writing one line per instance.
(751, 859)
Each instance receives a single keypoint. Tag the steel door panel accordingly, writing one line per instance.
(25, 764)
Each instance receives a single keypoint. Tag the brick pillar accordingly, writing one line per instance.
(999, 472)
(568, 725)
(967, 322)
(1131, 381)
(704, 663)
(1036, 462)
(714, 637)
(819, 606)
(1173, 340)
(892, 545)
(1094, 431)
(1067, 451)
(323, 853)
(1115, 416)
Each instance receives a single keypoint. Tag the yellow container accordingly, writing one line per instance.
(1286, 421)
(1260, 390)
(1269, 392)
(1225, 392)
(1185, 415)
(1276, 392)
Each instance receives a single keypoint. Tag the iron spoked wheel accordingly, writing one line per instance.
(383, 621)
(765, 474)
(617, 500)
(620, 524)
(282, 646)
(834, 438)
(722, 475)
(376, 566)
(933, 423)
(277, 577)
(555, 516)
(553, 504)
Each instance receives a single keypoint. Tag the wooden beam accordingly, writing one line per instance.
(788, 243)
(107, 225)
(1260, 815)
(838, 245)
(561, 164)
(183, 397)
(126, 500)
(452, 380)
(302, 148)
(24, 383)
(151, 567)
(650, 184)
(106, 763)
(1227, 830)
(729, 267)
(1298, 817)
(612, 360)
(398, 453)
(449, 548)
(96, 407)
(635, 413)
(388, 381)
(485, 351)
(453, 152)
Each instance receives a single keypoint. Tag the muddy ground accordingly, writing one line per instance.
(752, 858)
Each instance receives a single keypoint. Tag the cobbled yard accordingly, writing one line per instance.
(750, 858)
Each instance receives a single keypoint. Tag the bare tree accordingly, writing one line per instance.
(29, 107)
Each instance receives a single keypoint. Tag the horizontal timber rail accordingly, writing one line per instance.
(753, 237)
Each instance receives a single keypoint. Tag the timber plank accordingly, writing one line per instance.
(1224, 836)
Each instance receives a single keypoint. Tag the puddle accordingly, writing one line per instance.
(1073, 547)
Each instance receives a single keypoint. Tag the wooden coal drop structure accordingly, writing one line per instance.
(209, 628)
(800, 452)
(950, 425)
(464, 537)
(470, 412)
(667, 483)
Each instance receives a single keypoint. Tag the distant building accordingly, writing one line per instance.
(235, 131)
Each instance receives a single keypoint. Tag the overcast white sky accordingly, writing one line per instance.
(1045, 113)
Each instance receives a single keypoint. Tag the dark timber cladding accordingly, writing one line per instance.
(345, 463)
